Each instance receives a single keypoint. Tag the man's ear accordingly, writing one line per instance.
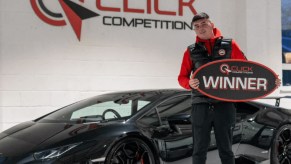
(212, 24)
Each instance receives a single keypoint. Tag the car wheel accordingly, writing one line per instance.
(281, 148)
(130, 151)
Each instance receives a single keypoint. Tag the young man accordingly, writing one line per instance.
(207, 112)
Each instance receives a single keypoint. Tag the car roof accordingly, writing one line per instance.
(171, 90)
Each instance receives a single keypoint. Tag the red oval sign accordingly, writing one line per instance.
(235, 80)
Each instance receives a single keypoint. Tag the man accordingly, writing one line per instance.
(207, 112)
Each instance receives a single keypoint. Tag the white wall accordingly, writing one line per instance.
(44, 67)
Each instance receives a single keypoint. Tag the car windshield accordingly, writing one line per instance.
(103, 108)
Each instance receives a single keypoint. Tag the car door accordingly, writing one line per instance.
(174, 115)
(256, 137)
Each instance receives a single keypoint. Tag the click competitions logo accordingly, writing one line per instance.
(234, 69)
(75, 12)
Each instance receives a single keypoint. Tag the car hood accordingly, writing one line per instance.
(32, 136)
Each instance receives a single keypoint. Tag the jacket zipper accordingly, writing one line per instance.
(211, 49)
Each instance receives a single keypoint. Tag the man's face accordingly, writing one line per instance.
(204, 29)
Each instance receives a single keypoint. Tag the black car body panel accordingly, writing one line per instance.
(90, 130)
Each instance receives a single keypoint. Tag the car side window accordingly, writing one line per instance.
(244, 111)
(141, 104)
(175, 105)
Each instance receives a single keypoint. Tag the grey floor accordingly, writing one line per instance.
(213, 158)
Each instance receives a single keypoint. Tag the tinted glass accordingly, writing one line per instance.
(119, 106)
(170, 107)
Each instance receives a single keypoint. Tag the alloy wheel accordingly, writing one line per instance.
(282, 147)
(131, 151)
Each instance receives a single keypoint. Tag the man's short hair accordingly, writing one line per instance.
(199, 16)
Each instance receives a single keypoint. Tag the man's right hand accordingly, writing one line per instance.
(194, 83)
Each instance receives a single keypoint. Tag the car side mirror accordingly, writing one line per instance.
(179, 119)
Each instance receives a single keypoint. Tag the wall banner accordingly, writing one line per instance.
(76, 12)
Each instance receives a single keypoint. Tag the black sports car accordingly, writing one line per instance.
(143, 127)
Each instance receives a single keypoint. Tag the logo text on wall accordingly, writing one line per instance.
(75, 13)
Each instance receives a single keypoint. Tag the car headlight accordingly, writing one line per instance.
(54, 153)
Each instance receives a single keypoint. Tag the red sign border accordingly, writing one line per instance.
(236, 60)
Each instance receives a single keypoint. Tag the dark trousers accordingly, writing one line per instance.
(220, 116)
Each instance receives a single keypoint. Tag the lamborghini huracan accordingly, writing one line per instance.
(143, 127)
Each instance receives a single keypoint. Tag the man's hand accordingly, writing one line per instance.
(194, 83)
(278, 83)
